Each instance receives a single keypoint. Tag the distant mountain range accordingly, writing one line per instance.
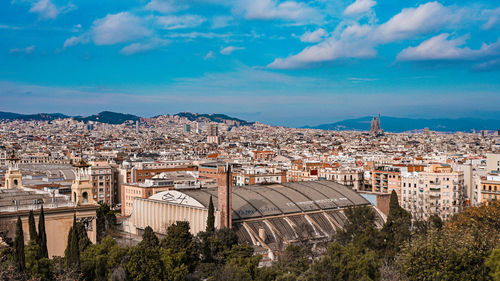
(219, 118)
(388, 124)
(109, 117)
(396, 124)
(25, 117)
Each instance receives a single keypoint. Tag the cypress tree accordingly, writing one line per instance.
(69, 244)
(19, 246)
(211, 216)
(73, 248)
(397, 227)
(32, 227)
(394, 208)
(42, 236)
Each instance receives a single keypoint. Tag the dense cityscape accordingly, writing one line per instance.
(273, 187)
(250, 140)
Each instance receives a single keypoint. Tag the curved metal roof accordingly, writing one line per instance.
(259, 201)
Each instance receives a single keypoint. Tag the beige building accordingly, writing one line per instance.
(437, 190)
(490, 188)
(58, 209)
(103, 183)
(492, 162)
(3, 156)
(161, 182)
(81, 188)
(348, 177)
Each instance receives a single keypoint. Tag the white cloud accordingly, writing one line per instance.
(315, 36)
(28, 50)
(228, 50)
(440, 47)
(177, 22)
(75, 40)
(271, 9)
(48, 10)
(135, 48)
(118, 28)
(414, 21)
(45, 9)
(209, 55)
(493, 18)
(488, 65)
(193, 35)
(360, 41)
(359, 6)
(165, 6)
(221, 21)
(352, 43)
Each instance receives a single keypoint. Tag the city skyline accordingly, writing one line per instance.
(284, 63)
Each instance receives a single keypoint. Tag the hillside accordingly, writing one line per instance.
(28, 117)
(396, 124)
(117, 118)
(219, 118)
(109, 117)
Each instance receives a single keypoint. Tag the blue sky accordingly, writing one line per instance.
(288, 63)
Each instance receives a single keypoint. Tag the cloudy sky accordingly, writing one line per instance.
(288, 63)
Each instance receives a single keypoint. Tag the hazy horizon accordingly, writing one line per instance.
(292, 63)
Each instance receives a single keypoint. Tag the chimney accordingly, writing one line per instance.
(224, 199)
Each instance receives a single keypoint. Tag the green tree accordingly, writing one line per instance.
(211, 216)
(444, 255)
(19, 246)
(105, 220)
(493, 263)
(99, 261)
(83, 239)
(144, 263)
(180, 240)
(174, 267)
(292, 261)
(360, 228)
(39, 267)
(42, 235)
(145, 259)
(344, 263)
(72, 251)
(397, 228)
(32, 226)
(435, 221)
(214, 246)
(149, 239)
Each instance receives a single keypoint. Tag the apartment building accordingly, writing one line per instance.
(263, 155)
(385, 179)
(438, 190)
(490, 188)
(3, 156)
(103, 183)
(305, 171)
(348, 177)
(258, 175)
(493, 162)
